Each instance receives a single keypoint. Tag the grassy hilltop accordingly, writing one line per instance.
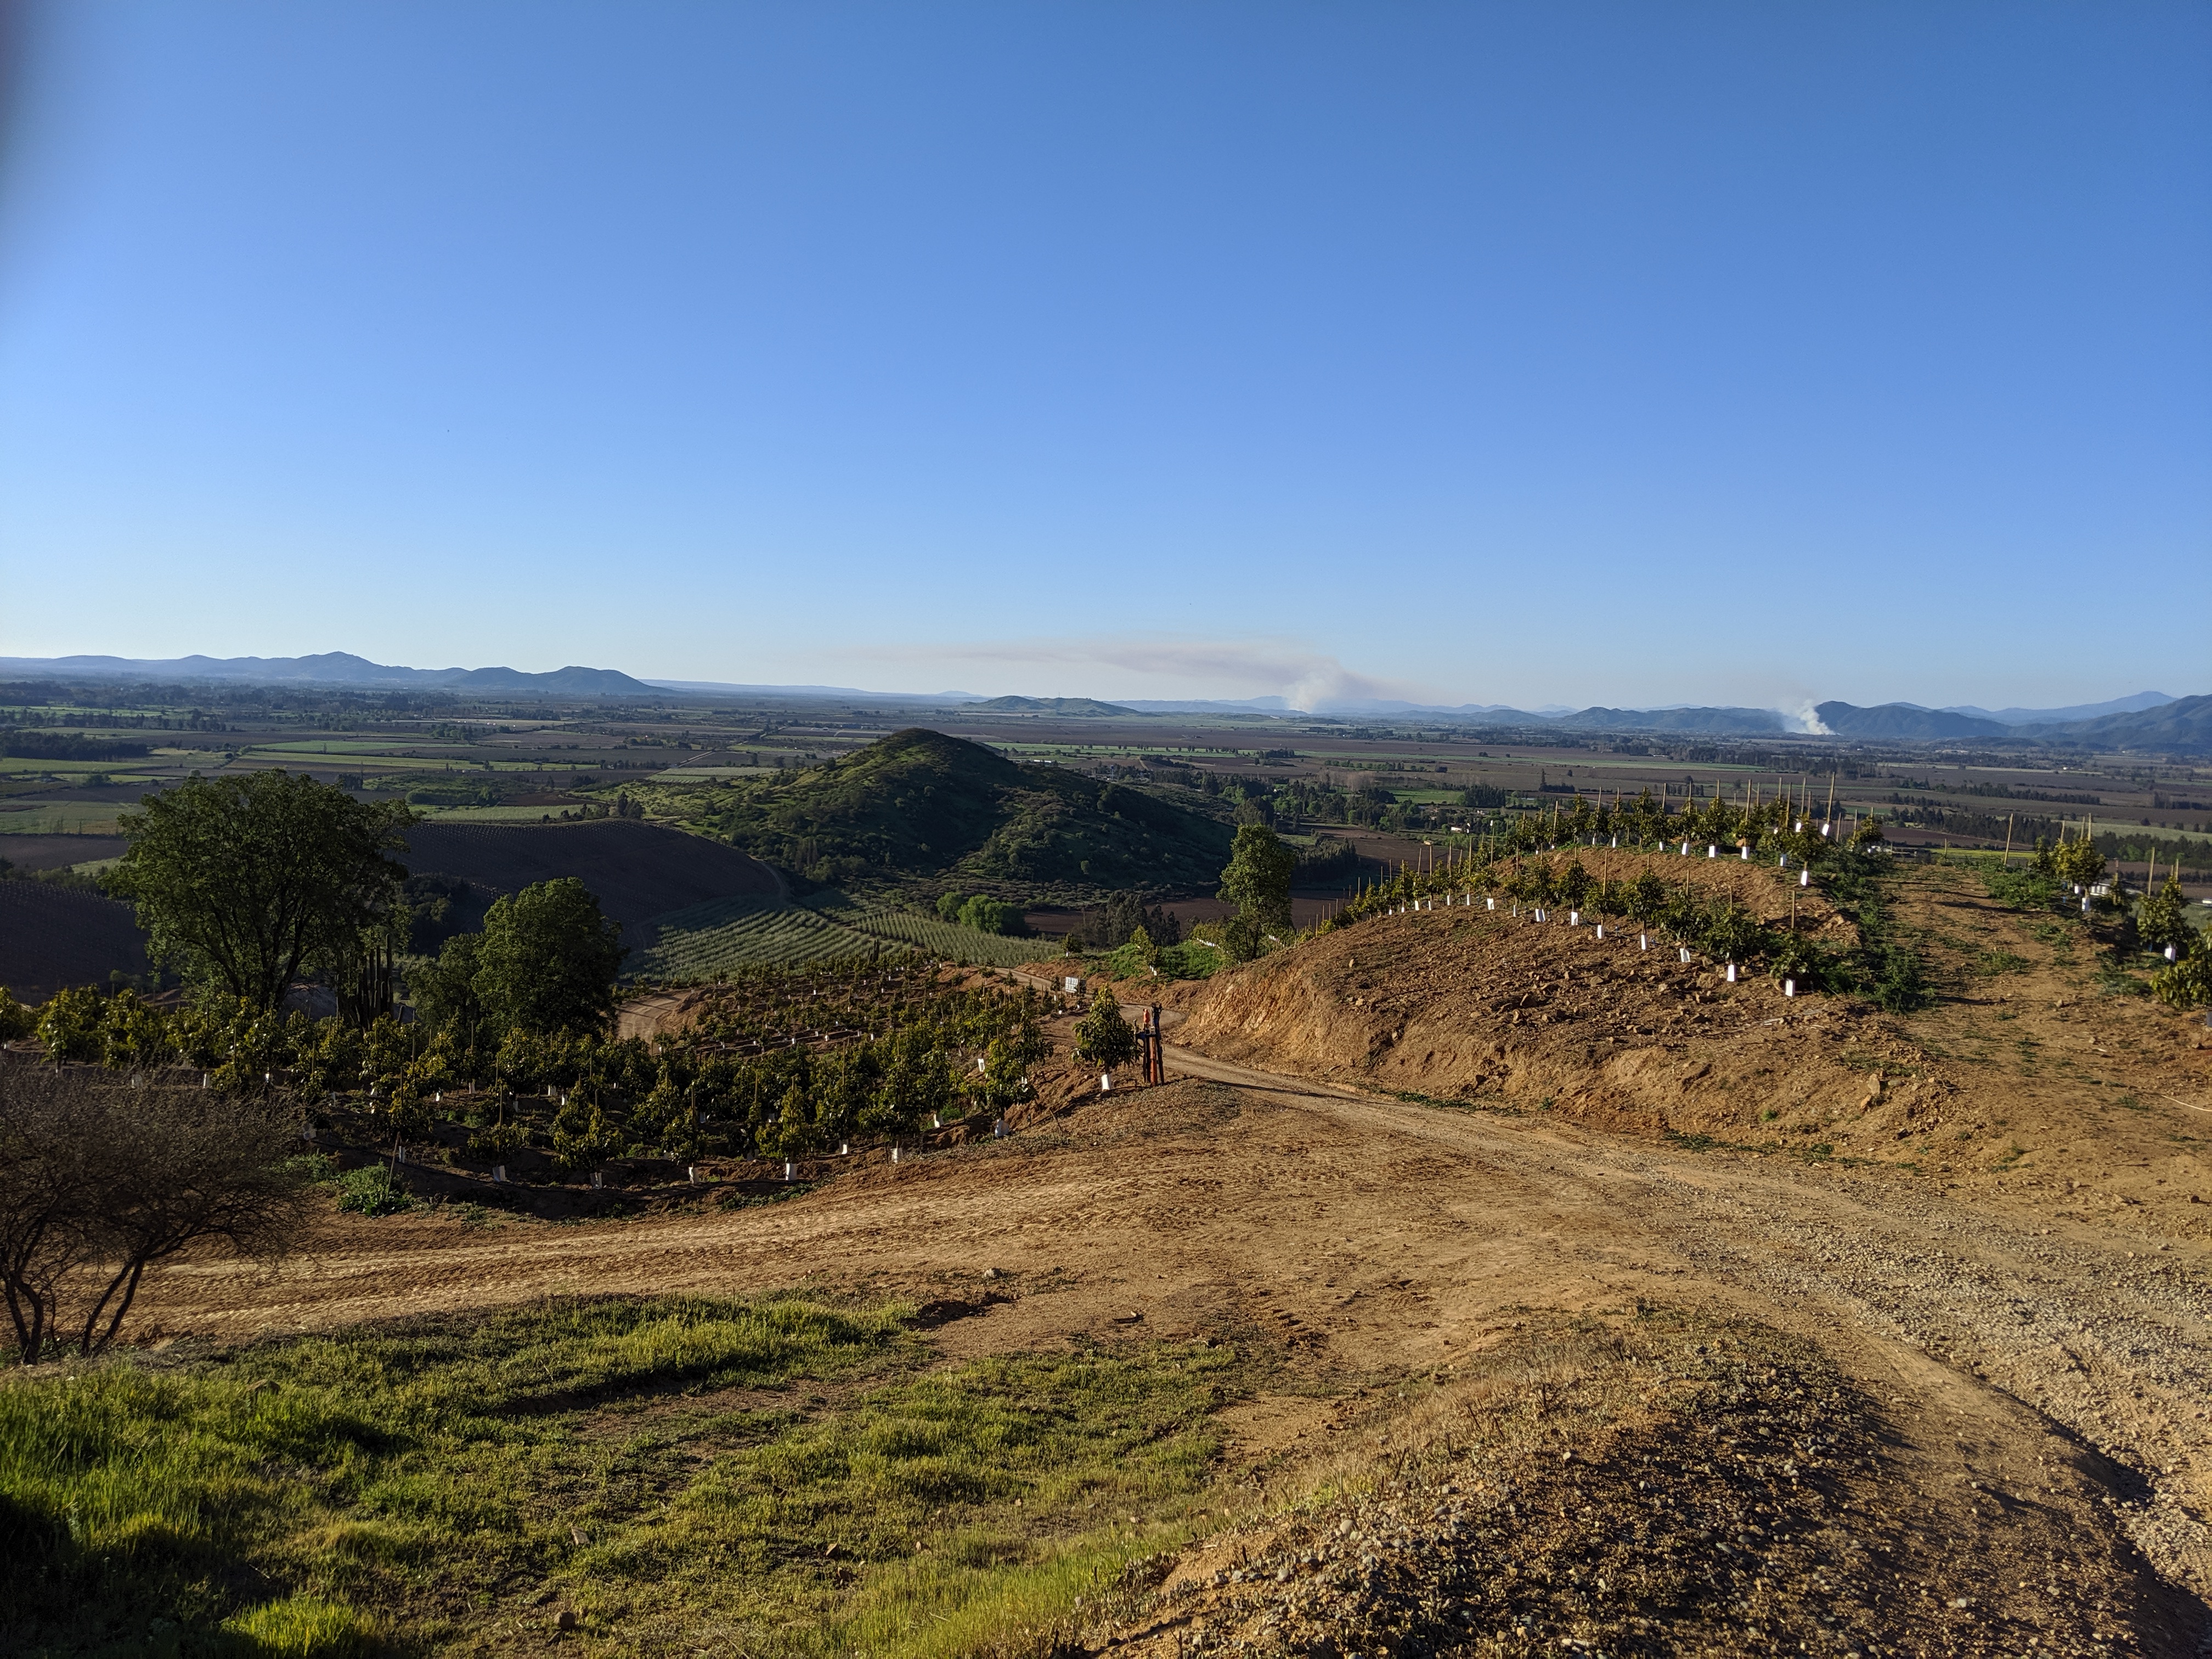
(919, 804)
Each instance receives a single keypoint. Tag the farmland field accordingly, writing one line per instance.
(746, 930)
(64, 818)
(941, 938)
(52, 937)
(59, 852)
(754, 930)
(638, 871)
(490, 814)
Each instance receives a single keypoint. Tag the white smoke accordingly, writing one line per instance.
(1308, 680)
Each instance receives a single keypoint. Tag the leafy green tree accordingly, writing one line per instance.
(135, 1037)
(548, 959)
(988, 915)
(17, 1021)
(1647, 898)
(2186, 982)
(1257, 881)
(584, 1138)
(331, 1060)
(444, 990)
(948, 906)
(1541, 885)
(241, 881)
(1729, 931)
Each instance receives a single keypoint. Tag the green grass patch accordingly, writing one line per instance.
(780, 1470)
(2021, 887)
(1492, 1103)
(372, 1190)
(1991, 963)
(2113, 981)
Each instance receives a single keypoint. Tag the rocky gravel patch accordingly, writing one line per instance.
(1667, 1484)
(2112, 1340)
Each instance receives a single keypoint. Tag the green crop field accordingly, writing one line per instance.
(748, 931)
(64, 817)
(347, 746)
(490, 814)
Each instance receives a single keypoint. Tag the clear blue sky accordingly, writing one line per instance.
(1534, 354)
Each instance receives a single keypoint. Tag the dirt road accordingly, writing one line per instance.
(1368, 1239)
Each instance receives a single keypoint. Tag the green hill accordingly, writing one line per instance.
(919, 804)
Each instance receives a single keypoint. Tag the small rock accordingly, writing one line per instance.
(567, 1620)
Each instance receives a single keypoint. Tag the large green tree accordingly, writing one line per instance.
(548, 959)
(241, 881)
(1258, 883)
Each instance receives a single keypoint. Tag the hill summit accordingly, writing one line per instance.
(919, 803)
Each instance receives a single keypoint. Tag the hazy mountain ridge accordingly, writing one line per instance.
(2144, 719)
(337, 668)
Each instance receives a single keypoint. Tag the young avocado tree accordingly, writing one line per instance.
(2077, 862)
(2162, 919)
(1103, 1037)
(2188, 982)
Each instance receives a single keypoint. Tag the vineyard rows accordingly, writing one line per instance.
(758, 931)
(945, 939)
(951, 940)
(748, 931)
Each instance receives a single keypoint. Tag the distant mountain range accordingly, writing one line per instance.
(2146, 719)
(337, 668)
(2079, 711)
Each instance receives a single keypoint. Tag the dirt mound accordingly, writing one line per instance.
(51, 937)
(637, 870)
(2035, 1067)
(1482, 1006)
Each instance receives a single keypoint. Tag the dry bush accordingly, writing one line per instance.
(99, 1181)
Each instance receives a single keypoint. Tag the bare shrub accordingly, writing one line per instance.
(100, 1182)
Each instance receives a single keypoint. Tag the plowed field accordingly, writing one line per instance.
(52, 937)
(637, 870)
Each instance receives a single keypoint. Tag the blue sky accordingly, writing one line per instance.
(1522, 354)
